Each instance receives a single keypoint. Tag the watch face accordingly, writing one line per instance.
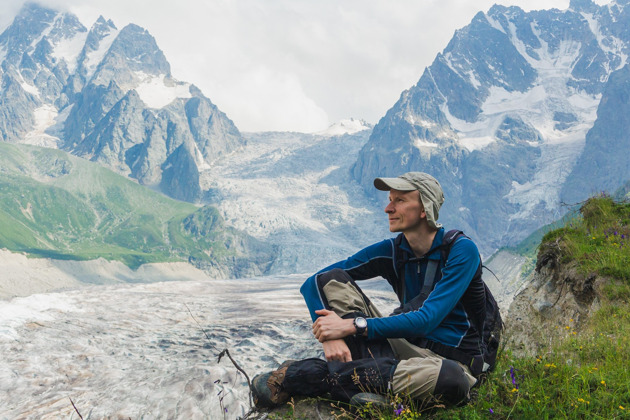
(360, 322)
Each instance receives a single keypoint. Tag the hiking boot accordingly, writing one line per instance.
(267, 387)
(363, 398)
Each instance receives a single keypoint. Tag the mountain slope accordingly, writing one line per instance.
(58, 206)
(604, 164)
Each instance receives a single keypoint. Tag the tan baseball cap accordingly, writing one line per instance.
(431, 193)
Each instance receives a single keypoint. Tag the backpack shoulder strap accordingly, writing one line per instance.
(448, 240)
(400, 259)
(433, 265)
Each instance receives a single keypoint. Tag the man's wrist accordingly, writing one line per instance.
(360, 326)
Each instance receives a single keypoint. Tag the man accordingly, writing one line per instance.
(427, 347)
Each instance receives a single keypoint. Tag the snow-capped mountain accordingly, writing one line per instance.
(107, 94)
(501, 118)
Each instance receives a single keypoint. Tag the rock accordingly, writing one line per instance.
(556, 302)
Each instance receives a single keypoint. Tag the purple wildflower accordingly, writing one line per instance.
(513, 376)
(399, 409)
(491, 411)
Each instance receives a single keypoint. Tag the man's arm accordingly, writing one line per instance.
(329, 326)
(373, 261)
(460, 268)
(376, 260)
(330, 330)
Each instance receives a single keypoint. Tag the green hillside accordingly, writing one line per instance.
(58, 206)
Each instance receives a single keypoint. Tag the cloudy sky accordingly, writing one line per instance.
(297, 65)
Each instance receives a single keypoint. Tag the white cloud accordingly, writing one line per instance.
(294, 64)
(270, 100)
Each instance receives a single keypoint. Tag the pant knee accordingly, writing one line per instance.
(341, 294)
(452, 386)
(336, 274)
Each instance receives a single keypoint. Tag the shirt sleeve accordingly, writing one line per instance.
(373, 261)
(460, 268)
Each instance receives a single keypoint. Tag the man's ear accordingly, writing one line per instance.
(423, 213)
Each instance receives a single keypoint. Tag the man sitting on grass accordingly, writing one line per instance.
(430, 347)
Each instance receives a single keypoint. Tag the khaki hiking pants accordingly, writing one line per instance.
(421, 374)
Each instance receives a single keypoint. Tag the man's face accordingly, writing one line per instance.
(405, 211)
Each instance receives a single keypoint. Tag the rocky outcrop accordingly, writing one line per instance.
(225, 252)
(556, 302)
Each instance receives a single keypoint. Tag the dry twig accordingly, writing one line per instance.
(75, 408)
(223, 353)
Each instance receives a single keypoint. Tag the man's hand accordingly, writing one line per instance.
(337, 350)
(329, 326)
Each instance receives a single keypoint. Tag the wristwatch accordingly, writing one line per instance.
(360, 324)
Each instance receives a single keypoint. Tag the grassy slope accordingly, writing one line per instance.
(58, 206)
(586, 374)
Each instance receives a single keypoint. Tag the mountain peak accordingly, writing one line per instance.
(31, 8)
(582, 5)
(28, 25)
(347, 126)
(101, 22)
(138, 46)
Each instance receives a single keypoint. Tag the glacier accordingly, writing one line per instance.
(296, 191)
(151, 350)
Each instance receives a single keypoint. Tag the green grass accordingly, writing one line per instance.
(599, 241)
(54, 205)
(586, 373)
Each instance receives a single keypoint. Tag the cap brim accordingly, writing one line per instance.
(386, 184)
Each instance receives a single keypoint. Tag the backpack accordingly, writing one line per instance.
(489, 328)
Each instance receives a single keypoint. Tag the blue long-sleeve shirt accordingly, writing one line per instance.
(441, 318)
